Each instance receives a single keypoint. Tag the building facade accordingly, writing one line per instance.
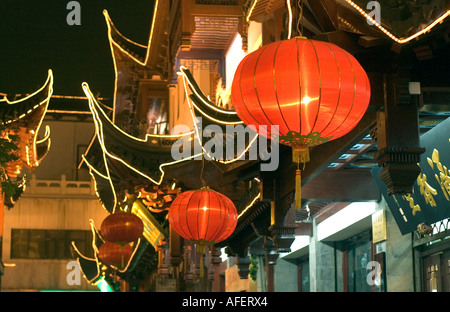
(369, 221)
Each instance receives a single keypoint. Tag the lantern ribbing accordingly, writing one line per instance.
(305, 87)
(203, 216)
(312, 90)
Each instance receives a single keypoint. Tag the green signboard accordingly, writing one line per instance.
(430, 200)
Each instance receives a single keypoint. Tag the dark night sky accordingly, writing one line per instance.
(35, 37)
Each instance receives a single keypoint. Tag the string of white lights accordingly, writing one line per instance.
(389, 34)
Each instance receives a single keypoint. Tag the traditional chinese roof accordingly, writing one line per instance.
(132, 63)
(126, 162)
(23, 117)
(203, 107)
(122, 161)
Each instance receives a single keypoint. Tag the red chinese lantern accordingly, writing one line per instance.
(114, 254)
(203, 216)
(313, 91)
(122, 227)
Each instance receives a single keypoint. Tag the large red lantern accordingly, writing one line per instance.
(313, 91)
(203, 216)
(114, 254)
(122, 227)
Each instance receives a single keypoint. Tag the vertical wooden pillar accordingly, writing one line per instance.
(270, 270)
(398, 134)
(163, 269)
(2, 209)
(345, 269)
(271, 260)
(187, 24)
(299, 278)
(188, 272)
(243, 262)
(281, 232)
(175, 254)
(124, 286)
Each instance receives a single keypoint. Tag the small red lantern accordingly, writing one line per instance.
(203, 216)
(122, 227)
(313, 90)
(114, 254)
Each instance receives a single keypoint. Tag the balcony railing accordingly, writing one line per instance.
(63, 187)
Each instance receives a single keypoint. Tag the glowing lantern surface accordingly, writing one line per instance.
(203, 216)
(313, 90)
(114, 254)
(122, 227)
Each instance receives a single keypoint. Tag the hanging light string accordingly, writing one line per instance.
(390, 35)
(288, 4)
(300, 18)
(202, 178)
(291, 18)
(367, 16)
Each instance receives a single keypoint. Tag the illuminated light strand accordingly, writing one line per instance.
(94, 247)
(99, 130)
(152, 29)
(249, 205)
(148, 136)
(389, 34)
(27, 153)
(46, 137)
(47, 128)
(93, 168)
(198, 132)
(217, 109)
(111, 26)
(200, 140)
(112, 43)
(48, 83)
(135, 248)
(106, 14)
(288, 4)
(215, 119)
(96, 251)
(58, 111)
(251, 10)
(74, 97)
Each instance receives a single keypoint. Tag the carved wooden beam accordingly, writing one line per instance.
(190, 9)
(342, 185)
(325, 12)
(398, 135)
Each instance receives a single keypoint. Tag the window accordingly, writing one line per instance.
(303, 276)
(358, 254)
(48, 244)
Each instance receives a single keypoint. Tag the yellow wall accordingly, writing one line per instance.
(49, 205)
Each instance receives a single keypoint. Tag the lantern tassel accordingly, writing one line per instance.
(201, 266)
(298, 189)
(200, 247)
(299, 155)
